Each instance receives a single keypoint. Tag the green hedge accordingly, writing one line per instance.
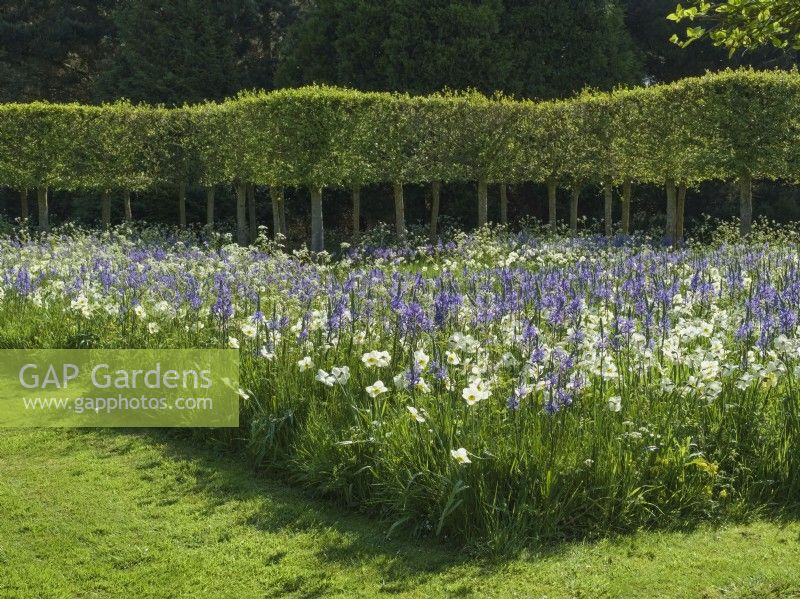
(721, 126)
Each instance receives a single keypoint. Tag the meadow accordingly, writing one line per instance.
(498, 391)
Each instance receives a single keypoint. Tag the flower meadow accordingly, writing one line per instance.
(498, 390)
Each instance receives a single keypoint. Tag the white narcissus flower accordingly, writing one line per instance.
(326, 379)
(452, 358)
(460, 455)
(376, 388)
(249, 330)
(305, 363)
(473, 394)
(421, 358)
(153, 328)
(341, 374)
(609, 370)
(422, 386)
(416, 414)
(233, 343)
(376, 359)
(615, 403)
(265, 353)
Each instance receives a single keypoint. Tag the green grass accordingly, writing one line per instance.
(101, 514)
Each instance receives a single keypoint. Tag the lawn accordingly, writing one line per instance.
(113, 514)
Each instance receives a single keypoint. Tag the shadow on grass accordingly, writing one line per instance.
(340, 537)
(345, 537)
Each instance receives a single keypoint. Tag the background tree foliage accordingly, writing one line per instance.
(737, 24)
(536, 49)
(193, 50)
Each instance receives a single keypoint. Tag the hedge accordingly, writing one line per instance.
(734, 125)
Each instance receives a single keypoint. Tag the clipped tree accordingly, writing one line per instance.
(41, 149)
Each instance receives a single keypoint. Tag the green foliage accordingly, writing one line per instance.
(185, 55)
(741, 24)
(534, 49)
(259, 538)
(717, 127)
(41, 144)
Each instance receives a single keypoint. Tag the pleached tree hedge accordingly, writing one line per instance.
(738, 126)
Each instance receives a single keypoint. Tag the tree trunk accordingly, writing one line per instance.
(483, 202)
(241, 213)
(126, 201)
(210, 197)
(503, 204)
(317, 229)
(672, 202)
(436, 192)
(399, 210)
(680, 205)
(551, 204)
(745, 205)
(276, 195)
(608, 192)
(573, 208)
(626, 207)
(356, 213)
(182, 204)
(251, 210)
(106, 209)
(44, 218)
(282, 213)
(23, 204)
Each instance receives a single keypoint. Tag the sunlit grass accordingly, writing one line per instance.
(107, 514)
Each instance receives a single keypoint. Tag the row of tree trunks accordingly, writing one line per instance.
(245, 203)
(246, 213)
(105, 207)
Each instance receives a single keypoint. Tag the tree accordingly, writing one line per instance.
(664, 61)
(169, 52)
(49, 49)
(410, 45)
(256, 29)
(525, 47)
(557, 48)
(741, 24)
